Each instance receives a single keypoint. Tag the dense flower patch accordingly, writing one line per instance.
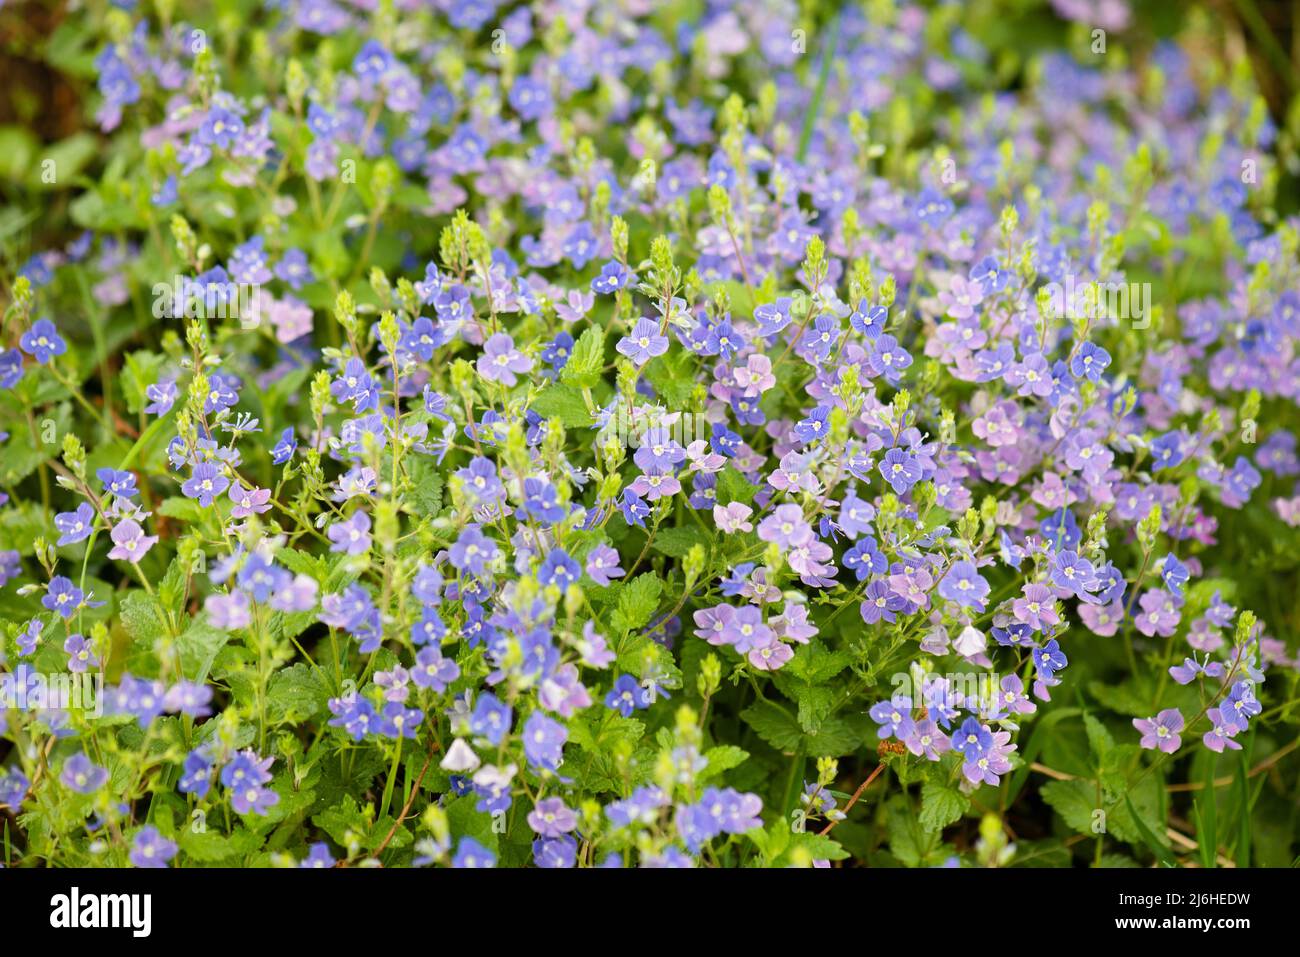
(629, 434)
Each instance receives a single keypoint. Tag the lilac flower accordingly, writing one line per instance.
(603, 565)
(196, 774)
(544, 741)
(350, 536)
(472, 551)
(81, 775)
(501, 360)
(249, 501)
(130, 543)
(643, 343)
(901, 470)
(81, 654)
(1089, 362)
(284, 449)
(434, 671)
(1073, 573)
(117, 483)
(29, 637)
(964, 585)
(470, 853)
(1222, 731)
(1158, 615)
(318, 856)
(491, 718)
(1049, 659)
(893, 716)
(151, 849)
(1240, 705)
(1162, 730)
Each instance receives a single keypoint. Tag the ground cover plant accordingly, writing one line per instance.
(647, 434)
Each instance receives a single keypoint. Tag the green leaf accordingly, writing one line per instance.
(1161, 851)
(565, 403)
(210, 847)
(1099, 739)
(676, 542)
(584, 366)
(674, 376)
(141, 617)
(732, 487)
(774, 726)
(296, 694)
(425, 497)
(197, 646)
(637, 601)
(806, 847)
(1075, 801)
(185, 509)
(941, 806)
(722, 759)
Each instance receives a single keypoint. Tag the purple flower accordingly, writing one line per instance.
(603, 565)
(501, 360)
(81, 655)
(559, 569)
(130, 543)
(1222, 731)
(1089, 362)
(117, 483)
(972, 740)
(83, 776)
(434, 671)
(472, 551)
(351, 537)
(643, 343)
(900, 469)
(75, 526)
(42, 341)
(151, 849)
(284, 449)
(613, 277)
(206, 482)
(1073, 573)
(249, 501)
(29, 637)
(964, 585)
(491, 718)
(544, 740)
(1162, 730)
(627, 696)
(1049, 659)
(551, 818)
(470, 853)
(894, 716)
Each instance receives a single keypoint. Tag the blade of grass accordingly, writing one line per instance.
(815, 105)
(1150, 840)
(1207, 824)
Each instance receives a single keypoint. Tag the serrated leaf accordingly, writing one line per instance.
(588, 359)
(941, 806)
(565, 403)
(637, 601)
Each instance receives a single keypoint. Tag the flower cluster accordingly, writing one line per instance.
(573, 437)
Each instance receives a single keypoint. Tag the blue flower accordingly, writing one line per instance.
(42, 341)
